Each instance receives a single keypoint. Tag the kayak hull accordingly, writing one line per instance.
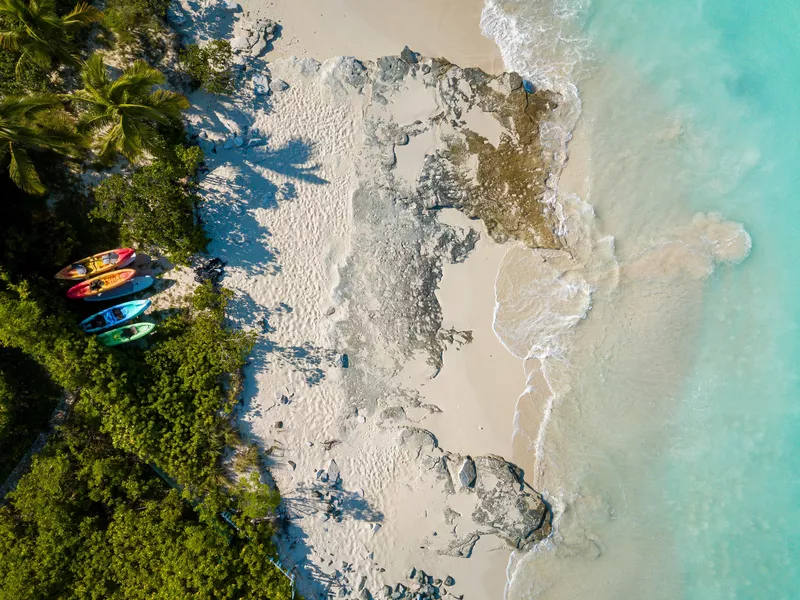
(97, 264)
(114, 316)
(95, 285)
(135, 285)
(125, 334)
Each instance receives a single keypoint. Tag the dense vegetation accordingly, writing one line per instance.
(126, 500)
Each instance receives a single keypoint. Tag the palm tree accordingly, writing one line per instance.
(33, 123)
(124, 113)
(36, 31)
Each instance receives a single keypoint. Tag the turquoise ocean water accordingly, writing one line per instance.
(718, 81)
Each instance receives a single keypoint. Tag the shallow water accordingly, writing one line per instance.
(662, 419)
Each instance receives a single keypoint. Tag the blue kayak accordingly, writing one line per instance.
(135, 285)
(111, 317)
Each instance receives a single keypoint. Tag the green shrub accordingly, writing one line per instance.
(155, 208)
(89, 521)
(27, 396)
(135, 20)
(209, 66)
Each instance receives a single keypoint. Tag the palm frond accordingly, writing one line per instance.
(23, 173)
(10, 40)
(94, 71)
(135, 82)
(82, 14)
(34, 54)
(19, 107)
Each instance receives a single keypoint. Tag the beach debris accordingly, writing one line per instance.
(409, 56)
(210, 270)
(330, 444)
(467, 474)
(278, 85)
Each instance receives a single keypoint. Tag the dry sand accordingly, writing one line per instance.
(368, 29)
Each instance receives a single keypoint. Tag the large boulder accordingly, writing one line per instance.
(504, 506)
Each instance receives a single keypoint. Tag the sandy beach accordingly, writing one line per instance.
(367, 29)
(349, 197)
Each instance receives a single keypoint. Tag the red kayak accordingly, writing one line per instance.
(104, 282)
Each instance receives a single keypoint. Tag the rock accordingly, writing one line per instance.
(362, 419)
(238, 141)
(362, 582)
(449, 581)
(278, 425)
(261, 85)
(278, 85)
(332, 470)
(375, 528)
(461, 547)
(293, 465)
(467, 474)
(330, 311)
(412, 572)
(392, 69)
(409, 56)
(342, 592)
(387, 591)
(309, 444)
(239, 44)
(401, 139)
(343, 361)
(437, 582)
(519, 517)
(230, 5)
(228, 144)
(365, 595)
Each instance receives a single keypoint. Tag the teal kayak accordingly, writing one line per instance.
(123, 335)
(116, 315)
(135, 285)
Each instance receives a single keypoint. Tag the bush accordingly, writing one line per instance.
(209, 66)
(135, 20)
(90, 521)
(155, 209)
(27, 396)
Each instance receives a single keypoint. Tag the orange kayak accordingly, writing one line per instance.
(97, 264)
(104, 282)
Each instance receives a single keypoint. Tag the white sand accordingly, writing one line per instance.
(368, 29)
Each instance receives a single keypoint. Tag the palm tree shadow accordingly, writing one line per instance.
(290, 160)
